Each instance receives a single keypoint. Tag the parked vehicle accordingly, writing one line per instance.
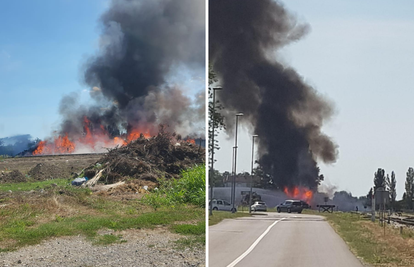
(219, 204)
(305, 205)
(259, 206)
(246, 197)
(290, 206)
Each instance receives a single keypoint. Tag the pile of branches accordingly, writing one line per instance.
(164, 155)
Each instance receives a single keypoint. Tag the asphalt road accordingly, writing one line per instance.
(278, 239)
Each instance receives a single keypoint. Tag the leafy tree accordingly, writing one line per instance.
(265, 179)
(320, 176)
(244, 174)
(391, 187)
(409, 188)
(369, 198)
(215, 119)
(226, 174)
(379, 179)
(216, 178)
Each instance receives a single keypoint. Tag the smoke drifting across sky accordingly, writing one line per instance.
(143, 44)
(281, 108)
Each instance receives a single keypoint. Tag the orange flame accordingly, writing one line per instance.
(191, 141)
(134, 134)
(40, 148)
(94, 137)
(301, 193)
(119, 141)
(60, 145)
(63, 145)
(86, 124)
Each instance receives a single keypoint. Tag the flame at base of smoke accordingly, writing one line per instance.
(90, 142)
(298, 192)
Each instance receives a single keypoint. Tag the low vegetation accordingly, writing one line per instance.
(190, 188)
(36, 211)
(218, 216)
(195, 234)
(27, 186)
(368, 241)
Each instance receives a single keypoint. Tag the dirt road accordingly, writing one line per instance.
(144, 247)
(278, 239)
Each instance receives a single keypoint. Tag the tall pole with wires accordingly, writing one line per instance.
(212, 148)
(235, 163)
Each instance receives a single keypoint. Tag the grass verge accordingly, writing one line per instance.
(218, 216)
(367, 240)
(18, 187)
(195, 235)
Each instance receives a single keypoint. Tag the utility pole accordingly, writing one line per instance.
(212, 149)
(235, 163)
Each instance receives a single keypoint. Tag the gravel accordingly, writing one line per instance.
(143, 248)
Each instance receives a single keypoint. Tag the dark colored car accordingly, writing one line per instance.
(290, 206)
(305, 205)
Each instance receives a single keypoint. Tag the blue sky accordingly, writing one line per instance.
(359, 55)
(42, 47)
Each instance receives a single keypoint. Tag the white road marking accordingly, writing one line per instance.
(242, 256)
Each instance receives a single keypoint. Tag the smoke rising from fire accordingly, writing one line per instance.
(142, 47)
(282, 109)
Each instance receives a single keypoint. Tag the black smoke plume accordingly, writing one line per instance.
(143, 44)
(282, 109)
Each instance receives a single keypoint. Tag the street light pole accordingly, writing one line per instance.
(235, 163)
(232, 176)
(251, 176)
(212, 149)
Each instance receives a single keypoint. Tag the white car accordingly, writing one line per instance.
(259, 206)
(219, 204)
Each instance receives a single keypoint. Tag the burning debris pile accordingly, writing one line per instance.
(278, 105)
(146, 159)
(145, 47)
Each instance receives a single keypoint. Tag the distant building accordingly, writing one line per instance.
(241, 180)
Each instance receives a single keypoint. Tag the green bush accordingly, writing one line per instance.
(190, 189)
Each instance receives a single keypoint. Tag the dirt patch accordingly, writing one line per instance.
(142, 248)
(45, 171)
(68, 164)
(14, 176)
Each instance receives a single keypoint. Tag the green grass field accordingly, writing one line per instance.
(36, 211)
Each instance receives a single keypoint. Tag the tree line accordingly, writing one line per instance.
(389, 182)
